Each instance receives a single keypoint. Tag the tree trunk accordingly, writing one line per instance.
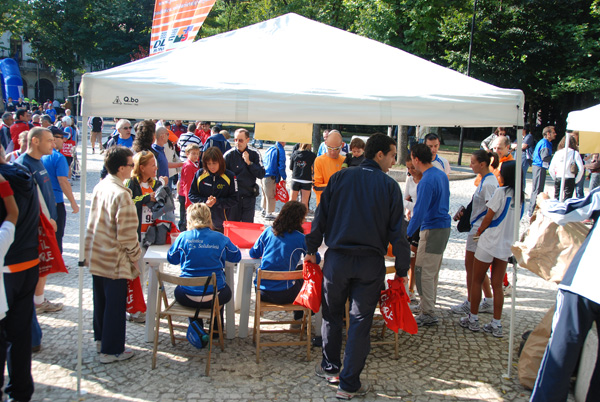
(316, 137)
(402, 144)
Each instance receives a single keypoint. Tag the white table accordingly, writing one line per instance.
(156, 256)
(245, 271)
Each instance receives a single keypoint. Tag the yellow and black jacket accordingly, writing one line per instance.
(223, 188)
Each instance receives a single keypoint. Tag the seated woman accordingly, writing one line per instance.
(202, 251)
(281, 247)
(215, 186)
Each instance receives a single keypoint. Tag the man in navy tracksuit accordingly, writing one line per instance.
(246, 165)
(577, 305)
(360, 213)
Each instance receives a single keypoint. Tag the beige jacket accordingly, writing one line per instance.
(111, 240)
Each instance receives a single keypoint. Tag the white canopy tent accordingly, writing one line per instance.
(294, 70)
(587, 122)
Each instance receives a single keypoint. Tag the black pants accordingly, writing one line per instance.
(284, 297)
(244, 210)
(182, 298)
(110, 302)
(538, 182)
(60, 224)
(182, 214)
(569, 188)
(572, 321)
(15, 333)
(360, 279)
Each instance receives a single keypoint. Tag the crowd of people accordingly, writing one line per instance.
(152, 166)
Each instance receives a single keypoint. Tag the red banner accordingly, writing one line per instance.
(176, 22)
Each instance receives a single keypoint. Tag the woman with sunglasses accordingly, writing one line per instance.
(215, 186)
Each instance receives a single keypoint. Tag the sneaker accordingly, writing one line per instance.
(412, 296)
(331, 377)
(465, 322)
(463, 308)
(270, 217)
(507, 289)
(137, 317)
(346, 395)
(426, 320)
(93, 151)
(105, 359)
(496, 331)
(263, 213)
(486, 307)
(415, 308)
(48, 307)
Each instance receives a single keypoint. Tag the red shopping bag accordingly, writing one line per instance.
(281, 193)
(135, 296)
(310, 294)
(394, 305)
(51, 260)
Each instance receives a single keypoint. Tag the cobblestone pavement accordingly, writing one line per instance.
(440, 363)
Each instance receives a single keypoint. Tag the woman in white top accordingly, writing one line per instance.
(557, 167)
(481, 164)
(410, 198)
(495, 237)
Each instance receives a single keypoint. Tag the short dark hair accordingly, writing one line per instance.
(21, 112)
(378, 142)
(357, 143)
(214, 154)
(115, 157)
(243, 130)
(431, 137)
(483, 156)
(203, 123)
(290, 218)
(191, 128)
(422, 153)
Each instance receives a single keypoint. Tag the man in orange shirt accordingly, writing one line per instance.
(328, 164)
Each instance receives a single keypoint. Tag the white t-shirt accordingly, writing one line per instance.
(498, 237)
(483, 194)
(410, 190)
(442, 164)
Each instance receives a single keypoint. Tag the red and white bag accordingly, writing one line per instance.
(310, 294)
(394, 306)
(281, 193)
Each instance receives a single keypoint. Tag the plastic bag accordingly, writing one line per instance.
(394, 306)
(51, 260)
(135, 297)
(310, 294)
(281, 193)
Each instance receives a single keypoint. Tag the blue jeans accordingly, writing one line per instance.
(594, 180)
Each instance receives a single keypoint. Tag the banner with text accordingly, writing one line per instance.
(175, 22)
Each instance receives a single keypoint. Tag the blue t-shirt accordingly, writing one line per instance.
(41, 176)
(56, 165)
(161, 160)
(126, 143)
(200, 253)
(433, 202)
(279, 253)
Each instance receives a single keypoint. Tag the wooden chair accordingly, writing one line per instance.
(390, 269)
(176, 309)
(262, 306)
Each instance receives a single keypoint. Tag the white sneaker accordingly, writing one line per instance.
(105, 358)
(486, 307)
(466, 322)
(507, 290)
(412, 296)
(463, 308)
(415, 308)
(496, 331)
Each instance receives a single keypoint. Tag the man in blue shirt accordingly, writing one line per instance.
(430, 214)
(542, 155)
(123, 135)
(274, 163)
(58, 169)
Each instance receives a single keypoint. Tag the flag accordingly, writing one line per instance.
(175, 22)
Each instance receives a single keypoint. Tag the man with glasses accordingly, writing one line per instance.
(246, 165)
(123, 136)
(328, 164)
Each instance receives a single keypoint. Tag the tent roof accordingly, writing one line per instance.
(584, 120)
(293, 69)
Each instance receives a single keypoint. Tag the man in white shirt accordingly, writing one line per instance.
(433, 142)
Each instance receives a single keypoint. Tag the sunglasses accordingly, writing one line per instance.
(130, 165)
(334, 148)
(127, 128)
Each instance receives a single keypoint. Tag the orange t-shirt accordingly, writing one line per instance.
(146, 211)
(323, 169)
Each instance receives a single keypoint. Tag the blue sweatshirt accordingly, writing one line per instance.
(200, 253)
(431, 209)
(279, 253)
(274, 166)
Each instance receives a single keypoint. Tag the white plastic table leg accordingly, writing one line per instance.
(229, 307)
(152, 301)
(245, 272)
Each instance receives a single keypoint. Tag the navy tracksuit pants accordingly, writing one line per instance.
(359, 279)
(572, 321)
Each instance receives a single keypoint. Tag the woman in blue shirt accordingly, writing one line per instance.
(281, 247)
(202, 251)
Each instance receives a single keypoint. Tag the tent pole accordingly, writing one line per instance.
(517, 218)
(82, 220)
